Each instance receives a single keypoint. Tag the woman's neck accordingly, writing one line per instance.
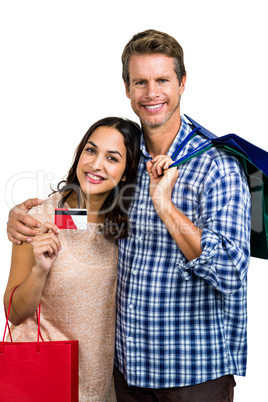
(93, 206)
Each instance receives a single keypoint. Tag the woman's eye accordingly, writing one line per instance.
(112, 159)
(90, 150)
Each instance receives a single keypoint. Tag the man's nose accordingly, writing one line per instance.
(152, 90)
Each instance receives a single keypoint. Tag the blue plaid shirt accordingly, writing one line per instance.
(181, 323)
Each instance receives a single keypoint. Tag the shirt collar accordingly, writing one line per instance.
(182, 133)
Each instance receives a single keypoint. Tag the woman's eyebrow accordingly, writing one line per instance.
(92, 143)
(109, 152)
(114, 152)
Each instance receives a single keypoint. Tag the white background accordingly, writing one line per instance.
(61, 71)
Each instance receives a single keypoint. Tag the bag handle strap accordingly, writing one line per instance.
(191, 135)
(195, 152)
(7, 324)
(38, 313)
(7, 316)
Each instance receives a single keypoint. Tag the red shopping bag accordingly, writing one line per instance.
(38, 371)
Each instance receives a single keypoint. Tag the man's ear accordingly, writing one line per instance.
(127, 90)
(182, 86)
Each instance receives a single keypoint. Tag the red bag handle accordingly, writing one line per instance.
(38, 313)
(7, 316)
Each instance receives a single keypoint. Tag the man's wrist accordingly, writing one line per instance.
(164, 207)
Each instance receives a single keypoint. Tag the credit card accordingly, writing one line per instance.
(71, 218)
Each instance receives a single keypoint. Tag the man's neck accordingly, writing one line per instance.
(158, 140)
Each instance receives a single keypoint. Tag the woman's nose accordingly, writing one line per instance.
(97, 163)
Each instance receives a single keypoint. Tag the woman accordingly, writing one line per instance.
(74, 272)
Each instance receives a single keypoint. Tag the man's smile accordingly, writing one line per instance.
(153, 107)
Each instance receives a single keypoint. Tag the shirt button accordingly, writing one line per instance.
(142, 206)
(187, 278)
(140, 238)
(130, 339)
(134, 272)
(131, 306)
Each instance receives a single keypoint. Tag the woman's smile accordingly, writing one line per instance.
(94, 178)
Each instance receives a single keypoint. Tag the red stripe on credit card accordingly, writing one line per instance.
(71, 218)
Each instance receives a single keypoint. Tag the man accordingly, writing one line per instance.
(181, 298)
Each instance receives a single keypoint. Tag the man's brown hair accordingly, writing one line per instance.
(153, 42)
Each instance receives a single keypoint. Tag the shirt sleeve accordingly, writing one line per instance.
(225, 223)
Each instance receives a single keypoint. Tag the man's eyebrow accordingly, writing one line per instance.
(109, 152)
(160, 77)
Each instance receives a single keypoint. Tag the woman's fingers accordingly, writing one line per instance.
(48, 236)
(50, 241)
(45, 249)
(47, 226)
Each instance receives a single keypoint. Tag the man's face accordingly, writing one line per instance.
(154, 89)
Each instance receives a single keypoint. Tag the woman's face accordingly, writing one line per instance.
(102, 162)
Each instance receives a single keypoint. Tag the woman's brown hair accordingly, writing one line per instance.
(117, 203)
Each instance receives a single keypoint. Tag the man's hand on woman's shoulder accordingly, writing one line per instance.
(20, 226)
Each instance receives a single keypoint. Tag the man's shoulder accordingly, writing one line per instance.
(224, 162)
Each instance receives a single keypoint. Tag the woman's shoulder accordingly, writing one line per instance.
(45, 211)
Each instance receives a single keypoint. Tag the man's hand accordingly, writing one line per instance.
(21, 227)
(162, 181)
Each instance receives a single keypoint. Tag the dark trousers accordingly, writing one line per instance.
(219, 390)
